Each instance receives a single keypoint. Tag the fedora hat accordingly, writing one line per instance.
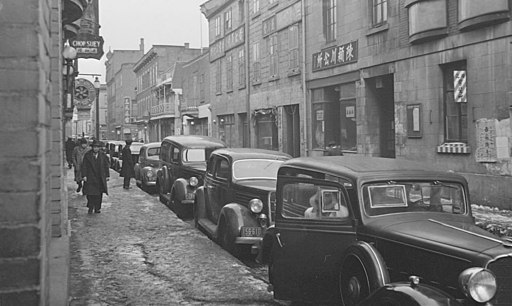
(97, 143)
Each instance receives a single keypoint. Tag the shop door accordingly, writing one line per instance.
(386, 104)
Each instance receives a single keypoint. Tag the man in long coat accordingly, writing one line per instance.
(70, 146)
(78, 157)
(127, 170)
(95, 173)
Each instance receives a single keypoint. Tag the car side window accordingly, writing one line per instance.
(165, 152)
(175, 154)
(313, 201)
(222, 170)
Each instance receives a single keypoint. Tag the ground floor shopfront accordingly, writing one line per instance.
(448, 108)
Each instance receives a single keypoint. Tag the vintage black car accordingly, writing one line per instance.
(113, 149)
(147, 166)
(236, 203)
(182, 166)
(372, 231)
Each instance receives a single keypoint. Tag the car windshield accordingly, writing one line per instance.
(411, 196)
(153, 153)
(256, 169)
(194, 155)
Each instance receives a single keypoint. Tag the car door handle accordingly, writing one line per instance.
(278, 238)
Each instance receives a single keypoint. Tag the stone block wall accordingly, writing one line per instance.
(31, 151)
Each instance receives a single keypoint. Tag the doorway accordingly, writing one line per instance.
(381, 122)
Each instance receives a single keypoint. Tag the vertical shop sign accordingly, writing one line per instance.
(486, 141)
(127, 110)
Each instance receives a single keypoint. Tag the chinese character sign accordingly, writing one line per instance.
(127, 110)
(336, 56)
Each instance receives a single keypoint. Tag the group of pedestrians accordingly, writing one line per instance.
(91, 169)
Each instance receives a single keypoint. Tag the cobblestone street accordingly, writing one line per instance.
(137, 252)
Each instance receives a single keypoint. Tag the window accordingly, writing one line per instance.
(256, 78)
(218, 75)
(329, 17)
(229, 72)
(311, 201)
(201, 88)
(293, 42)
(228, 21)
(455, 103)
(241, 11)
(255, 7)
(241, 67)
(273, 55)
(217, 26)
(222, 170)
(227, 129)
(379, 12)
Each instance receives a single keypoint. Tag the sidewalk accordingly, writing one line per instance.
(137, 252)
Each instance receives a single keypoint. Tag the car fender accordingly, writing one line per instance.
(236, 216)
(163, 178)
(404, 293)
(361, 256)
(179, 189)
(199, 208)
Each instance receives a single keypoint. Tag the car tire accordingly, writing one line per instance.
(227, 240)
(360, 274)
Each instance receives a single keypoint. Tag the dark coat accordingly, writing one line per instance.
(127, 169)
(70, 146)
(96, 171)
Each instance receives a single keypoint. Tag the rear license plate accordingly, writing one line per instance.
(190, 196)
(251, 231)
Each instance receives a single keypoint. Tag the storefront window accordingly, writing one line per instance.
(227, 129)
(266, 130)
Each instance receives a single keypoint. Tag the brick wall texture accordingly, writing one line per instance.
(31, 191)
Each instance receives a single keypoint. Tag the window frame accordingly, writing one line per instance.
(379, 8)
(329, 12)
(453, 110)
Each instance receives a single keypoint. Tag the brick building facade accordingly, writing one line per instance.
(34, 235)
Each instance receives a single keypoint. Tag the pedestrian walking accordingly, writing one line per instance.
(78, 156)
(95, 174)
(69, 147)
(127, 170)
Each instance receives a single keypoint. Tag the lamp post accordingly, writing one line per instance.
(97, 85)
(69, 54)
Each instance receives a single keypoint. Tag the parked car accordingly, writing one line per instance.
(182, 166)
(399, 233)
(147, 166)
(134, 148)
(113, 148)
(236, 203)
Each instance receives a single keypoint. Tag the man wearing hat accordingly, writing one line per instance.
(127, 169)
(78, 157)
(95, 173)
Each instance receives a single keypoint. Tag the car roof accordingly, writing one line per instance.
(366, 167)
(195, 140)
(153, 145)
(251, 153)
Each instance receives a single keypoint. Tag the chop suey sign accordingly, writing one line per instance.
(88, 46)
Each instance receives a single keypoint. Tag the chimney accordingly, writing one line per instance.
(141, 45)
(187, 45)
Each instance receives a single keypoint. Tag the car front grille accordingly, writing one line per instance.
(502, 269)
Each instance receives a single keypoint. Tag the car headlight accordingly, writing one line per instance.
(193, 181)
(478, 284)
(149, 174)
(256, 205)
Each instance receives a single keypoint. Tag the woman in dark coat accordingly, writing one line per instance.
(95, 173)
(127, 170)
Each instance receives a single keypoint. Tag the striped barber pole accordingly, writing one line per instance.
(459, 86)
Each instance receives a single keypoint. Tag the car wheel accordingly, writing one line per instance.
(362, 272)
(227, 240)
(354, 281)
